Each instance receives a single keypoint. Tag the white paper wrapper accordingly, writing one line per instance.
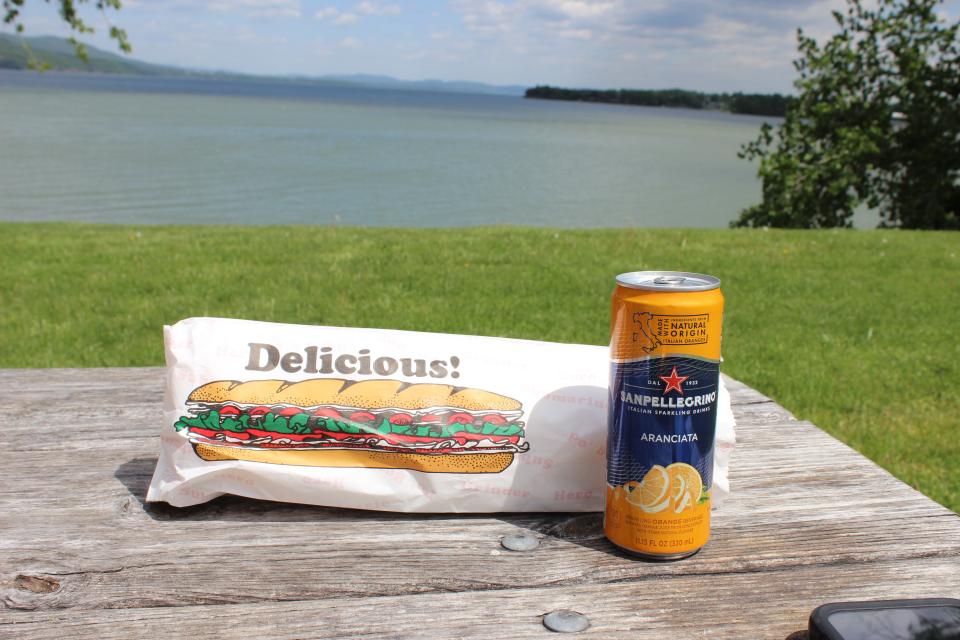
(562, 389)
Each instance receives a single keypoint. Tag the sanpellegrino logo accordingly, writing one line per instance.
(642, 400)
(663, 410)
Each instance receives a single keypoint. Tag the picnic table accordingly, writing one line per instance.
(809, 521)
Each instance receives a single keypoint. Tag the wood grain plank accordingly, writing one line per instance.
(76, 538)
(455, 557)
(770, 605)
(106, 544)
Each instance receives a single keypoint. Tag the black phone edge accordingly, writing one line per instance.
(819, 628)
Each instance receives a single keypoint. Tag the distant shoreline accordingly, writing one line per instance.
(57, 54)
(753, 104)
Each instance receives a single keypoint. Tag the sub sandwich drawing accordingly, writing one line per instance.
(385, 424)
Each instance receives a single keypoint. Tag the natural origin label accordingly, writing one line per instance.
(654, 330)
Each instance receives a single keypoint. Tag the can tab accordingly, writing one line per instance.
(672, 281)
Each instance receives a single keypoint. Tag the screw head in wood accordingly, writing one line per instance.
(565, 621)
(520, 542)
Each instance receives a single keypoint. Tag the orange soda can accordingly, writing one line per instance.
(664, 376)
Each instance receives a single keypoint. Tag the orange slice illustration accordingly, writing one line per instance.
(685, 486)
(653, 494)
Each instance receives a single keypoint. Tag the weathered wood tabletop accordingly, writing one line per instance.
(81, 556)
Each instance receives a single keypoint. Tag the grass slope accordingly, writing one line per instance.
(854, 330)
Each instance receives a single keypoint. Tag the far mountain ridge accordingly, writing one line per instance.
(58, 54)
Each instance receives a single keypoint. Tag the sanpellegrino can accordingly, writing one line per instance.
(664, 375)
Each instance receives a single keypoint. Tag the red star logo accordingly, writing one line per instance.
(673, 382)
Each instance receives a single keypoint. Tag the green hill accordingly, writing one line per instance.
(58, 53)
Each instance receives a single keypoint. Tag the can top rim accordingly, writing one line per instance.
(668, 281)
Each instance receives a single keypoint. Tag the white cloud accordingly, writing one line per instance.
(339, 17)
(350, 43)
(259, 8)
(610, 41)
(575, 34)
(579, 9)
(368, 8)
(345, 18)
(488, 17)
(336, 16)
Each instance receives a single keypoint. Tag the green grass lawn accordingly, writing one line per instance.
(854, 330)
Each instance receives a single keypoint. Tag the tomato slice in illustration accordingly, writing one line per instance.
(258, 412)
(327, 412)
(362, 416)
(401, 419)
(286, 412)
(229, 410)
(460, 418)
(494, 418)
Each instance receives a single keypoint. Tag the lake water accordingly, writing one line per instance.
(182, 150)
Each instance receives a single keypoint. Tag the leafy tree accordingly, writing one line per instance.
(68, 11)
(877, 121)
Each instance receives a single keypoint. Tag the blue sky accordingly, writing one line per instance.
(710, 45)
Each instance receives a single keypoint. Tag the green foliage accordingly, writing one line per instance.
(750, 103)
(843, 144)
(855, 331)
(69, 14)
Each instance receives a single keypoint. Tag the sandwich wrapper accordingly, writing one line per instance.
(537, 409)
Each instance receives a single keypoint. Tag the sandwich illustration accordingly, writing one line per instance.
(384, 424)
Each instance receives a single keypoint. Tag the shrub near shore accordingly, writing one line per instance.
(854, 330)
